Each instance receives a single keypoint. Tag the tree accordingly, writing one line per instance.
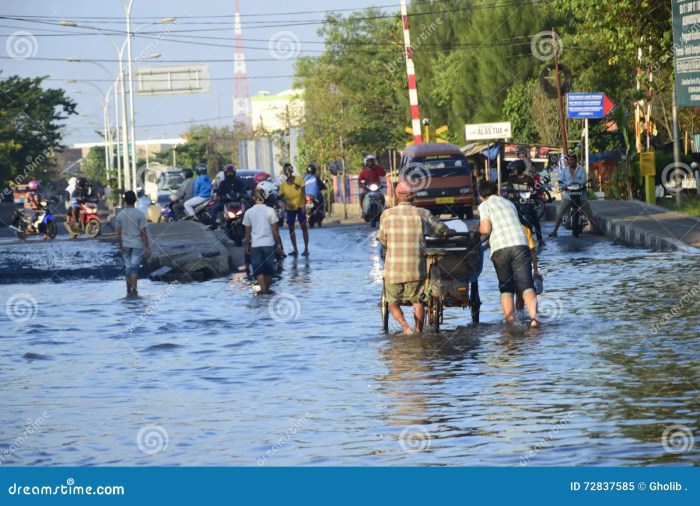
(94, 167)
(31, 127)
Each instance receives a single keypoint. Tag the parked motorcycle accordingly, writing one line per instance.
(541, 195)
(44, 223)
(89, 223)
(314, 211)
(373, 204)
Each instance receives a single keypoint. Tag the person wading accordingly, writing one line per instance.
(292, 191)
(402, 231)
(133, 240)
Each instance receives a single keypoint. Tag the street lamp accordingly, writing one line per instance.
(120, 55)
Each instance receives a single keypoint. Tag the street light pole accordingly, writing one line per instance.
(132, 129)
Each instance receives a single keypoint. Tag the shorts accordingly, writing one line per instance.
(403, 292)
(513, 266)
(262, 261)
(292, 216)
(132, 259)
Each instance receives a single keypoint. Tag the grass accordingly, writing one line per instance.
(690, 204)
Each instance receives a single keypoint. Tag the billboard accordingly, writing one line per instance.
(173, 80)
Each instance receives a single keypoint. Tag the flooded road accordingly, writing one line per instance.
(207, 374)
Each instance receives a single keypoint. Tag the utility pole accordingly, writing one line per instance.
(562, 124)
(676, 143)
(342, 159)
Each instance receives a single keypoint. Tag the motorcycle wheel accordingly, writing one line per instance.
(475, 302)
(92, 228)
(21, 234)
(165, 219)
(384, 307)
(237, 235)
(540, 208)
(374, 215)
(204, 217)
(576, 222)
(51, 229)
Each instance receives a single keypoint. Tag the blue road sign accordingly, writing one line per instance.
(587, 105)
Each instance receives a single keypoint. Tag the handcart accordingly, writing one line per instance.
(453, 266)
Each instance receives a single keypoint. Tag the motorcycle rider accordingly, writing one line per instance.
(230, 189)
(78, 197)
(371, 173)
(573, 173)
(184, 193)
(518, 176)
(314, 186)
(202, 190)
(32, 206)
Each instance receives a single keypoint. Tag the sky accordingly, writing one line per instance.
(275, 33)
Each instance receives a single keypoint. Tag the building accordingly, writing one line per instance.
(277, 112)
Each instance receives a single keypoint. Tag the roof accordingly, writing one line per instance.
(431, 148)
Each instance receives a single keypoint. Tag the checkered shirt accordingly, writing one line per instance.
(506, 230)
(401, 230)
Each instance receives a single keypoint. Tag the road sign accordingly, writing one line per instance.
(647, 163)
(487, 131)
(686, 42)
(587, 105)
(173, 80)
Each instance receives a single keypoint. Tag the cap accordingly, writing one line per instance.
(403, 188)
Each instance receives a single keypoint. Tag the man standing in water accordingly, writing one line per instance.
(292, 191)
(402, 231)
(509, 251)
(133, 240)
(262, 240)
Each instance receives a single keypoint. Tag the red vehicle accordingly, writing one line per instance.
(89, 221)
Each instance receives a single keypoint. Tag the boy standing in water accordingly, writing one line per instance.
(262, 239)
(133, 240)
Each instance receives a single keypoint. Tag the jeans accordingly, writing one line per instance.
(513, 266)
(194, 202)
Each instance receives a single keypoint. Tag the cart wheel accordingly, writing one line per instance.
(384, 306)
(475, 302)
(434, 314)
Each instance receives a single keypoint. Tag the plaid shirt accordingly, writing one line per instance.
(401, 230)
(506, 230)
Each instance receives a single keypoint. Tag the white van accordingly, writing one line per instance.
(161, 179)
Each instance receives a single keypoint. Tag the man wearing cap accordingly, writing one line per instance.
(402, 231)
(573, 173)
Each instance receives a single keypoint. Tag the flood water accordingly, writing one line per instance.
(208, 374)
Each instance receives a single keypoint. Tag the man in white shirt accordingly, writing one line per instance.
(573, 173)
(510, 253)
(133, 240)
(262, 240)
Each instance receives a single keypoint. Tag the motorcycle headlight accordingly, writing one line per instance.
(526, 195)
(231, 214)
(422, 193)
(373, 187)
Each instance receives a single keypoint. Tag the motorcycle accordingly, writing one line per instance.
(233, 219)
(44, 223)
(575, 221)
(89, 223)
(314, 211)
(541, 195)
(374, 204)
(202, 212)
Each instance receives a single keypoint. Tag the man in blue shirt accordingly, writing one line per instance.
(314, 186)
(573, 173)
(202, 190)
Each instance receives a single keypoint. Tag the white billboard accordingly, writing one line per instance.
(487, 131)
(173, 80)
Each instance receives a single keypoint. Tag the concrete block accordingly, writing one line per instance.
(160, 274)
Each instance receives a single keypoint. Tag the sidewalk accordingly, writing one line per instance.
(641, 224)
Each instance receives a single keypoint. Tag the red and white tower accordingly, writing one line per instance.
(411, 71)
(241, 98)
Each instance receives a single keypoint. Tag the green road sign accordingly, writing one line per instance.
(686, 43)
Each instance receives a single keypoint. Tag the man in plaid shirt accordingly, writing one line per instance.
(402, 231)
(509, 251)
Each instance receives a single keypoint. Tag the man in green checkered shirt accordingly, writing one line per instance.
(402, 231)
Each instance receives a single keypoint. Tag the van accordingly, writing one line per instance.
(441, 177)
(161, 180)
